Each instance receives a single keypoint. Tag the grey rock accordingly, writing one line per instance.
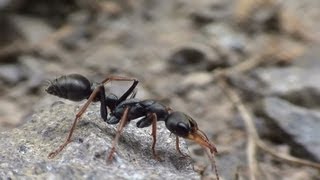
(298, 85)
(194, 57)
(33, 29)
(297, 126)
(283, 80)
(225, 36)
(24, 150)
(310, 59)
(12, 73)
(197, 79)
(34, 73)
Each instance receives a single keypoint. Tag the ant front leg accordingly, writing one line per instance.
(151, 119)
(78, 115)
(178, 148)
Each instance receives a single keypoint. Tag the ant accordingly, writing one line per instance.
(76, 87)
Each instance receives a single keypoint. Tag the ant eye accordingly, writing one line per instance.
(182, 129)
(178, 124)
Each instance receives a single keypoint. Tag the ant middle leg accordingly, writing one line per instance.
(123, 122)
(154, 136)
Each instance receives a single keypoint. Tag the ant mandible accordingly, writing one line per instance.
(76, 87)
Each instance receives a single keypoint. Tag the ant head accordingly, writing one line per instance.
(184, 126)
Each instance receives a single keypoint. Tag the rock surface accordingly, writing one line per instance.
(24, 150)
(298, 85)
(298, 126)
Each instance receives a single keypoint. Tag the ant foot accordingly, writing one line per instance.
(184, 156)
(156, 157)
(110, 156)
(53, 154)
(56, 152)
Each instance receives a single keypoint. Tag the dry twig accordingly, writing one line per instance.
(254, 140)
(253, 137)
(251, 130)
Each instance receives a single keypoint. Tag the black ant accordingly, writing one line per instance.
(76, 87)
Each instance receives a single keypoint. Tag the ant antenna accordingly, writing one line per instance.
(213, 163)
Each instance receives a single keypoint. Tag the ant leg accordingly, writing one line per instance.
(118, 78)
(129, 91)
(133, 95)
(78, 115)
(123, 122)
(213, 162)
(154, 136)
(103, 103)
(178, 148)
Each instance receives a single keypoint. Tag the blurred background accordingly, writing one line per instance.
(268, 50)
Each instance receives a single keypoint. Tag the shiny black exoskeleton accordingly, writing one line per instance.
(139, 108)
(76, 87)
(151, 111)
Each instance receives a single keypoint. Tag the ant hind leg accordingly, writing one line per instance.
(118, 78)
(77, 118)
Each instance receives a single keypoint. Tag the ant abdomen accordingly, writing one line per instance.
(74, 87)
